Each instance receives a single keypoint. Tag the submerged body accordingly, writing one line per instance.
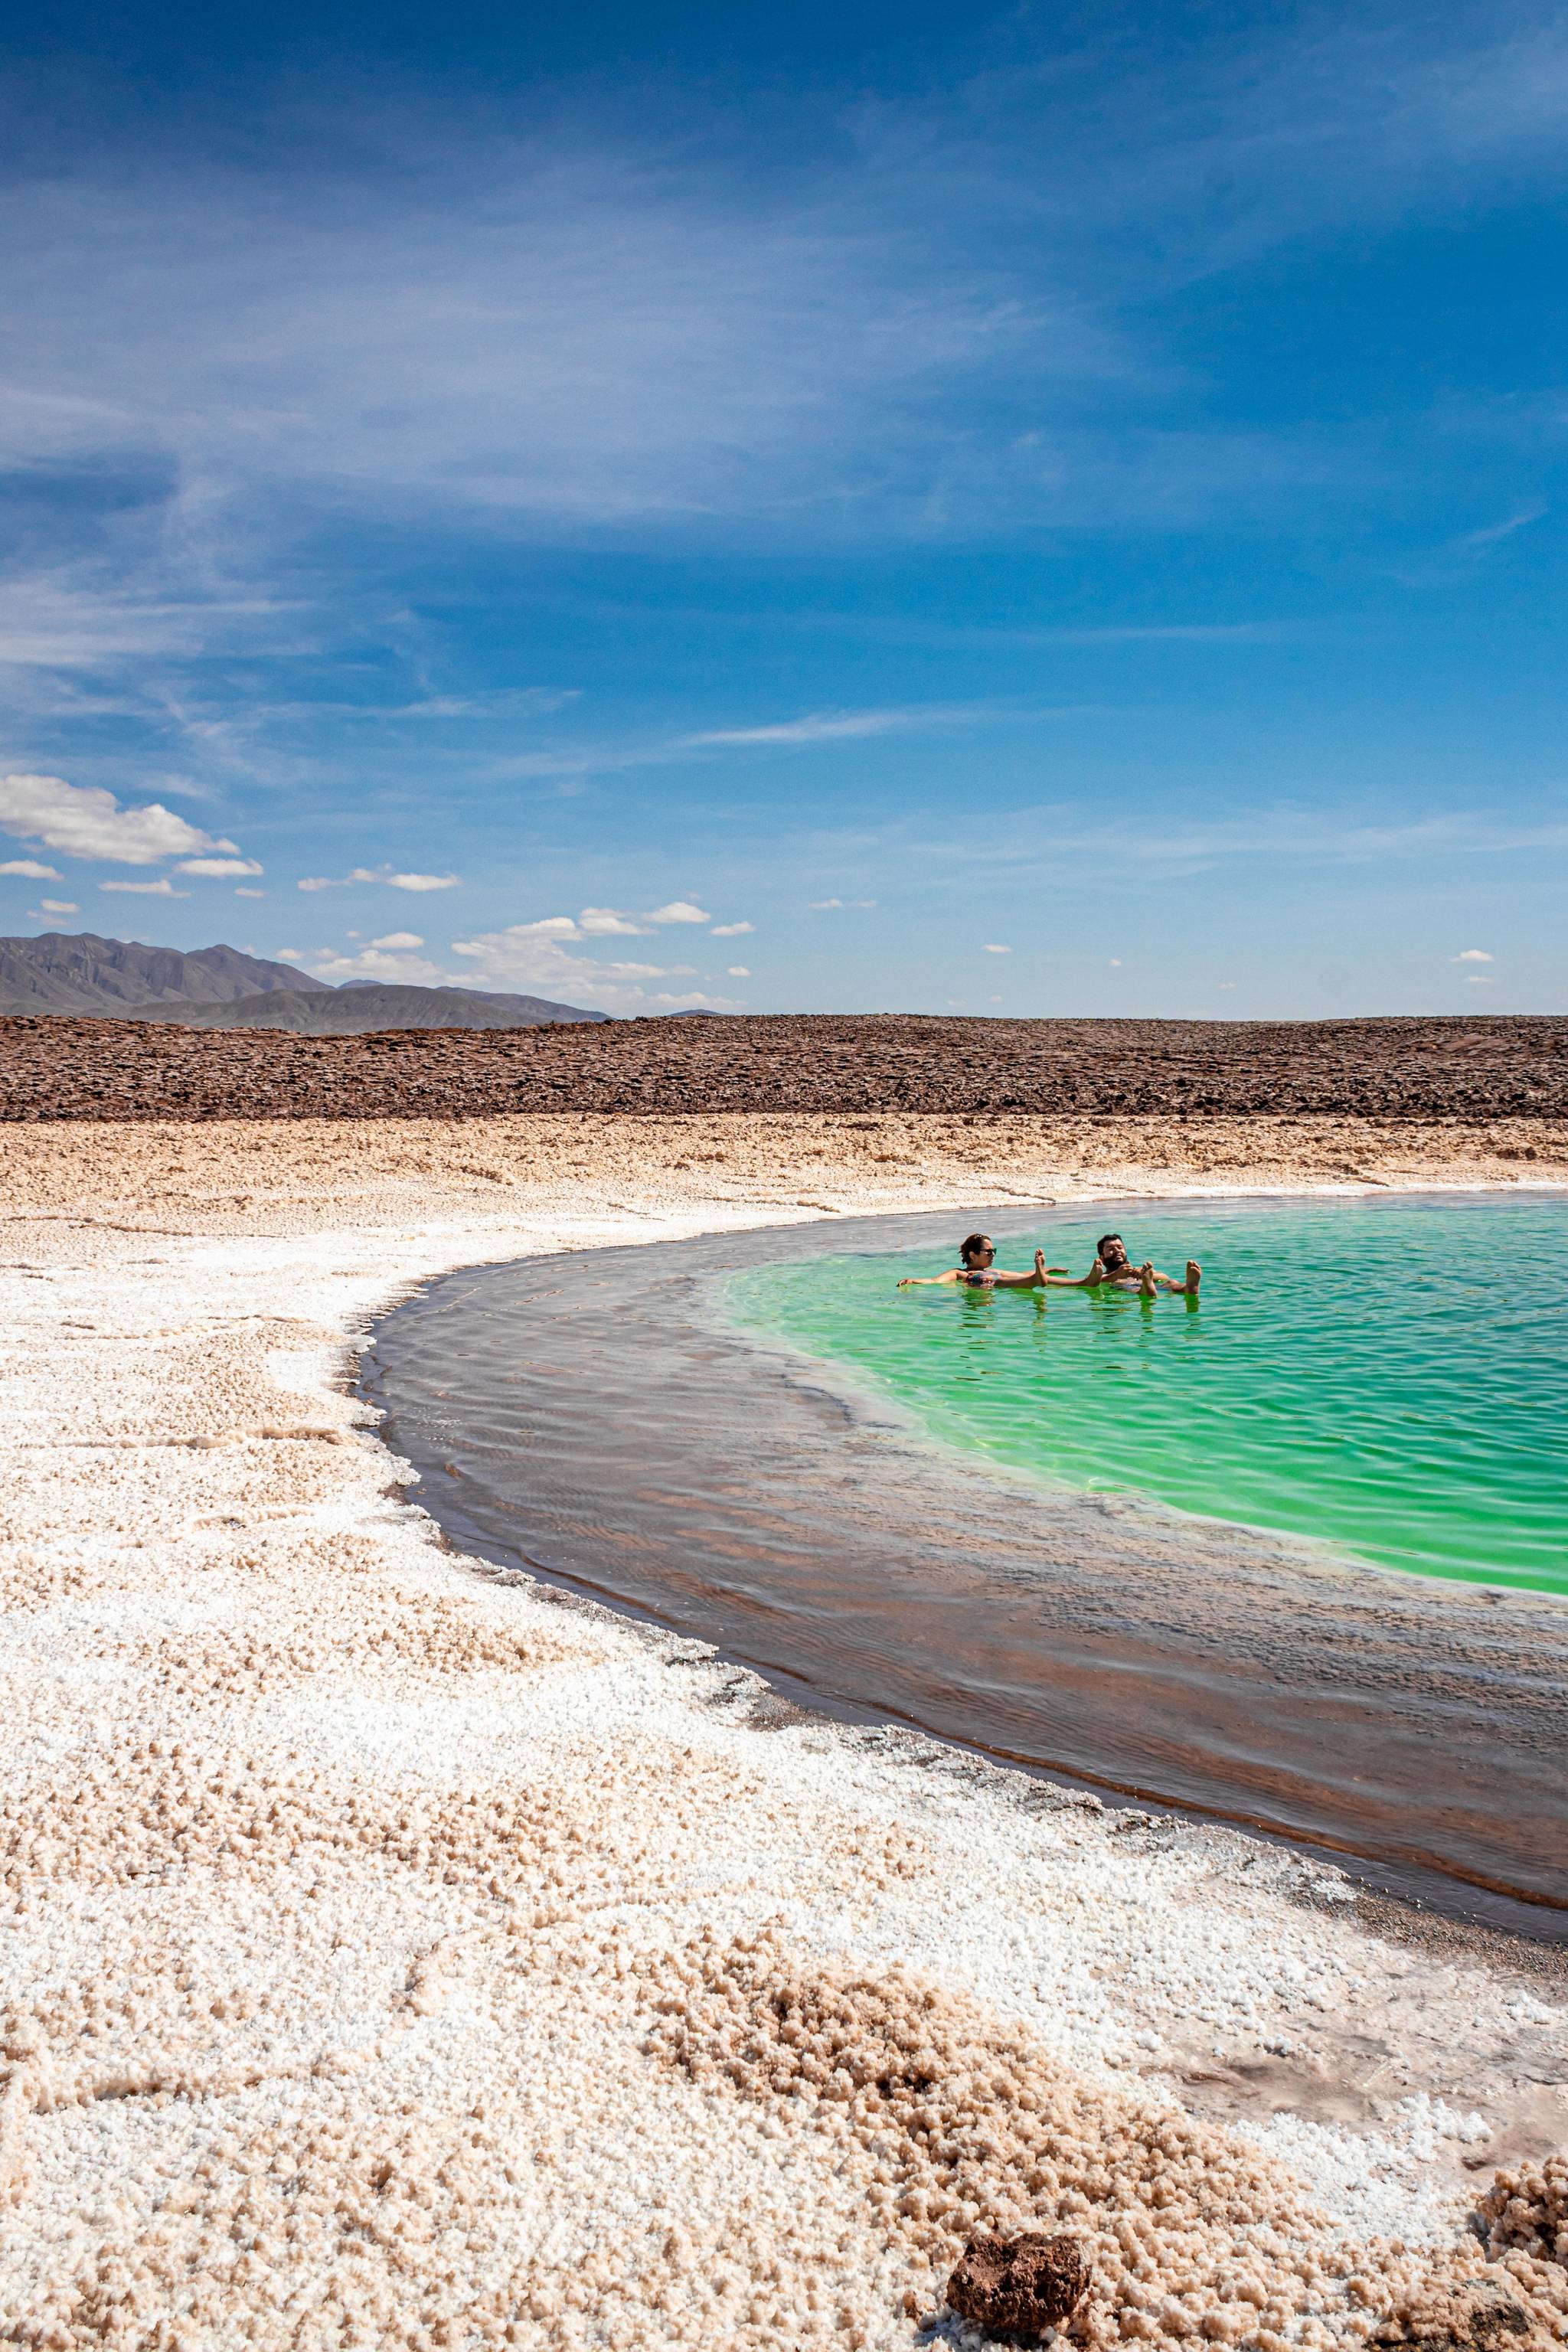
(1112, 1270)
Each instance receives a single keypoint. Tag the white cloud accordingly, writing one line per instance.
(383, 961)
(679, 910)
(820, 906)
(84, 821)
(604, 922)
(250, 894)
(855, 726)
(395, 940)
(32, 869)
(1479, 979)
(380, 874)
(1472, 955)
(1115, 963)
(161, 888)
(731, 930)
(219, 868)
(738, 972)
(58, 906)
(536, 958)
(993, 949)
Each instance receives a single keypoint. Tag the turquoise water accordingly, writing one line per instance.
(1391, 1377)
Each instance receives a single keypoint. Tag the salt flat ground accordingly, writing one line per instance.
(392, 1957)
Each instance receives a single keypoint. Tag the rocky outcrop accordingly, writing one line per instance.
(1017, 2287)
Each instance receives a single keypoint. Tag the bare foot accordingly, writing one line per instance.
(1146, 1277)
(1195, 1276)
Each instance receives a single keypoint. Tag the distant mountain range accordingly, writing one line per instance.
(61, 972)
(355, 1011)
(219, 988)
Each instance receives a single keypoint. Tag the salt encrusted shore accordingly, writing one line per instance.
(392, 1958)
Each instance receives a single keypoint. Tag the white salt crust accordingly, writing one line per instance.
(390, 1957)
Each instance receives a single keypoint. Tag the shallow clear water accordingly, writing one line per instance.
(1389, 1377)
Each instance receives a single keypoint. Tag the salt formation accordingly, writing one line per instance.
(397, 1961)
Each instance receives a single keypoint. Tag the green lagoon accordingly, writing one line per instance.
(1390, 1378)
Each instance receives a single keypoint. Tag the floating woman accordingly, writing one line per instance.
(978, 1270)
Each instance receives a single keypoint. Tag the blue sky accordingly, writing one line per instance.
(833, 509)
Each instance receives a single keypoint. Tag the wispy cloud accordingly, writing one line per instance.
(849, 726)
(161, 888)
(1045, 837)
(383, 875)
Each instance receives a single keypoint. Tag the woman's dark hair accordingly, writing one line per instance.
(1100, 1244)
(974, 1245)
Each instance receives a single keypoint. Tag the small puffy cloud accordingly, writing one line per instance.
(32, 869)
(250, 894)
(290, 955)
(1226, 983)
(161, 888)
(218, 869)
(993, 949)
(84, 821)
(994, 1000)
(1115, 963)
(58, 906)
(821, 905)
(733, 931)
(1479, 979)
(392, 941)
(738, 972)
(607, 922)
(1472, 955)
(679, 910)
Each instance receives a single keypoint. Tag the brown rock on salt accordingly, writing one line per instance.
(1017, 2287)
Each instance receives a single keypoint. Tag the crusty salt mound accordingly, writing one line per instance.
(1528, 2207)
(964, 2124)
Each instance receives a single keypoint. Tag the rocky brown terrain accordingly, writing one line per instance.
(1425, 1069)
